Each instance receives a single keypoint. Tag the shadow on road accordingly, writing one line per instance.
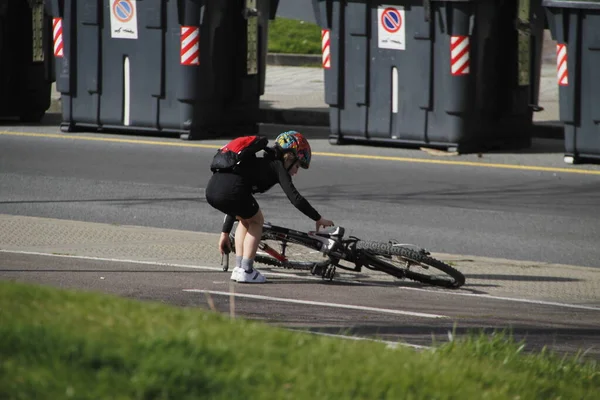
(520, 278)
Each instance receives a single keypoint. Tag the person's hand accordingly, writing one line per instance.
(224, 243)
(323, 223)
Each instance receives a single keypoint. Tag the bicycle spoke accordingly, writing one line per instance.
(299, 256)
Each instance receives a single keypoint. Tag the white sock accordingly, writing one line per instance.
(247, 264)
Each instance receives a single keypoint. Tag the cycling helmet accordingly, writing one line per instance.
(295, 142)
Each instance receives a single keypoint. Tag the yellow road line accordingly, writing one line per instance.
(113, 140)
(465, 163)
(324, 154)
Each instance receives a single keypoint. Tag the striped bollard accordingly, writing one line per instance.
(190, 45)
(561, 64)
(325, 48)
(58, 37)
(459, 55)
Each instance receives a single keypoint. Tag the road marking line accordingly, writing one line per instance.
(323, 154)
(389, 344)
(462, 163)
(293, 276)
(113, 140)
(519, 300)
(318, 303)
(155, 263)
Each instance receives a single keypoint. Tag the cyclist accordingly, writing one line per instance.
(232, 194)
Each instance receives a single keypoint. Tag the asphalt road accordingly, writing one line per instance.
(376, 309)
(520, 205)
(441, 204)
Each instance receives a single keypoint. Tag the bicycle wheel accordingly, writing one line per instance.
(298, 256)
(403, 262)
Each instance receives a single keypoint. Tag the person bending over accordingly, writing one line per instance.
(232, 194)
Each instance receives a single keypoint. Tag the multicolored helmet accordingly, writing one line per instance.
(297, 143)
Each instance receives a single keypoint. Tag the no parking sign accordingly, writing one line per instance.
(391, 32)
(123, 19)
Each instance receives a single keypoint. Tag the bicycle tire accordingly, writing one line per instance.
(374, 249)
(261, 259)
(293, 263)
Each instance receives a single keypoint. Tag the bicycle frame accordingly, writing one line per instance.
(330, 244)
(280, 233)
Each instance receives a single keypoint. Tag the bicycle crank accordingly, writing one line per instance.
(329, 273)
(326, 272)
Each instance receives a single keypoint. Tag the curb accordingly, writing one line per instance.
(293, 117)
(294, 60)
(540, 130)
(299, 117)
(548, 130)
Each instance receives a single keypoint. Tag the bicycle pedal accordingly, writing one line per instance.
(317, 270)
(329, 273)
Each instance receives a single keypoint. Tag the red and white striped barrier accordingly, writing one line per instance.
(190, 45)
(58, 37)
(561, 64)
(325, 48)
(459, 55)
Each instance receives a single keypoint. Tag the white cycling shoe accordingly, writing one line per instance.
(250, 277)
(237, 273)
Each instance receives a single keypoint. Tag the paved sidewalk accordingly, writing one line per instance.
(533, 281)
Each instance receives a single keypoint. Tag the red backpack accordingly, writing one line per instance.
(230, 156)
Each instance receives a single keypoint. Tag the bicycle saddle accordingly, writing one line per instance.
(333, 231)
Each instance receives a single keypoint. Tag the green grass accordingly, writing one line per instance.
(57, 344)
(294, 37)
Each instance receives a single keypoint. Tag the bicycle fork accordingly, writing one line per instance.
(272, 252)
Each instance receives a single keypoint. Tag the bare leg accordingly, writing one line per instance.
(253, 232)
(253, 235)
(240, 235)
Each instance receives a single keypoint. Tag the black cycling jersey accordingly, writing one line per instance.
(260, 175)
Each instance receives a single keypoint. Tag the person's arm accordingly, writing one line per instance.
(228, 224)
(224, 243)
(285, 181)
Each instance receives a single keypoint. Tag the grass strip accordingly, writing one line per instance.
(58, 344)
(294, 37)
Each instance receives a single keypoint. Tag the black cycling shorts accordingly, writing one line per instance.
(231, 194)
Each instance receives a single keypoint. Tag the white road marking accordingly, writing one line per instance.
(156, 263)
(126, 261)
(515, 299)
(389, 344)
(318, 303)
(294, 276)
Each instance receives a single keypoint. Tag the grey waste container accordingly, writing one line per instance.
(460, 75)
(195, 68)
(26, 65)
(575, 25)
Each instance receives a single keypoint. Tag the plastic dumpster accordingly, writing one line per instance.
(190, 67)
(460, 75)
(26, 71)
(575, 25)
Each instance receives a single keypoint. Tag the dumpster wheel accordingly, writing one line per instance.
(336, 140)
(571, 159)
(32, 116)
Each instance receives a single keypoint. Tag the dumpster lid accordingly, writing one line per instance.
(572, 3)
